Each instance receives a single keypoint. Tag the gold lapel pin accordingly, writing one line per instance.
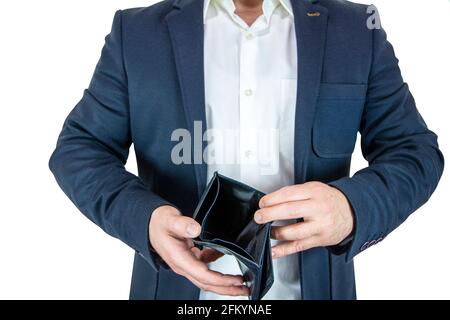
(313, 14)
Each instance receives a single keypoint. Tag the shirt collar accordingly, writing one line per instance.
(269, 6)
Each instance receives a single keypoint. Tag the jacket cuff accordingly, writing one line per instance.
(143, 212)
(342, 247)
(353, 191)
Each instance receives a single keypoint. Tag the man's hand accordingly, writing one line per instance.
(171, 235)
(327, 215)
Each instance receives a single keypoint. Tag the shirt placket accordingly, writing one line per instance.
(247, 108)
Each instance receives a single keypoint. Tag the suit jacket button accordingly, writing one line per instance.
(372, 243)
(379, 239)
(364, 246)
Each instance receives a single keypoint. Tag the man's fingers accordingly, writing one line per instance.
(286, 194)
(227, 291)
(295, 231)
(187, 264)
(184, 227)
(199, 274)
(286, 211)
(214, 278)
(197, 252)
(291, 247)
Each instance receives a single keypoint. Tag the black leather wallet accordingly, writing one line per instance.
(225, 212)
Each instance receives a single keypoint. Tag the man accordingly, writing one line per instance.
(312, 72)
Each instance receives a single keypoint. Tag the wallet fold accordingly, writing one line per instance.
(225, 213)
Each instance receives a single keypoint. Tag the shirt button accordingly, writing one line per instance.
(249, 36)
(248, 92)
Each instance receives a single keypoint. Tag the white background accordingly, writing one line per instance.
(48, 250)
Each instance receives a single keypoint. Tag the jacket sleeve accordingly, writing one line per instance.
(405, 163)
(92, 149)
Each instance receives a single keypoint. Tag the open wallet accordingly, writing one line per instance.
(225, 213)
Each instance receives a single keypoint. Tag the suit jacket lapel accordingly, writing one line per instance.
(186, 30)
(311, 29)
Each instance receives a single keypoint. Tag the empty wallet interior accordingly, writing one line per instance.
(226, 215)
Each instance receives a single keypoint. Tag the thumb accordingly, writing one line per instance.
(185, 227)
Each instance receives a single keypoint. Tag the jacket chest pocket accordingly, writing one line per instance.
(337, 119)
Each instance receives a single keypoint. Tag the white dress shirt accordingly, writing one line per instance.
(251, 84)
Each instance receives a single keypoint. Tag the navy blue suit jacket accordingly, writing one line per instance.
(149, 81)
